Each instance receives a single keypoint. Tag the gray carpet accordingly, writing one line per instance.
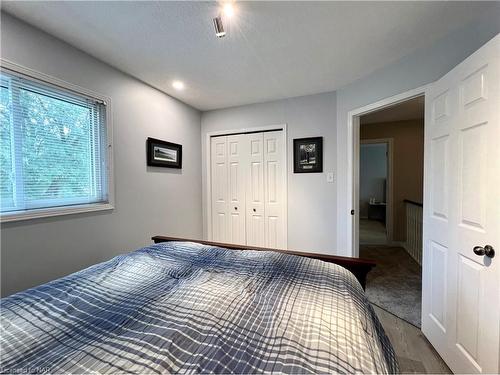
(372, 232)
(395, 284)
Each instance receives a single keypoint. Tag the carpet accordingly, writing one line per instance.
(372, 232)
(395, 284)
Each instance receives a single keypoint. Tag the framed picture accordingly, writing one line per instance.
(308, 155)
(163, 154)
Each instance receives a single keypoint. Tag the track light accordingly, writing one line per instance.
(219, 27)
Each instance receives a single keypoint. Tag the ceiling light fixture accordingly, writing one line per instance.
(228, 9)
(219, 27)
(178, 85)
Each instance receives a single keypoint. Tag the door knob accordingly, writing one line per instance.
(254, 210)
(488, 250)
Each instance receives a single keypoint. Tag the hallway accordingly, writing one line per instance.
(395, 284)
(372, 232)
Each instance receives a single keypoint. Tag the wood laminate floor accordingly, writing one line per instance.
(415, 354)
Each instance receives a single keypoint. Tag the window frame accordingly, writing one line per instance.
(109, 204)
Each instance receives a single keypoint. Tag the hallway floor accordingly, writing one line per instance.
(395, 284)
(372, 232)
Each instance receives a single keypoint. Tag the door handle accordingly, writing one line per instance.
(254, 210)
(236, 208)
(488, 250)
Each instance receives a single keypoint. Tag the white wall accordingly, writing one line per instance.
(372, 174)
(311, 200)
(420, 68)
(325, 205)
(148, 200)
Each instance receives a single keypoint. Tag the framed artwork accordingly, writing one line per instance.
(163, 154)
(308, 155)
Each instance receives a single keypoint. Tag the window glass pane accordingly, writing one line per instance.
(6, 167)
(56, 148)
(53, 146)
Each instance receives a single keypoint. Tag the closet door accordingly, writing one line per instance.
(237, 155)
(255, 224)
(274, 190)
(219, 189)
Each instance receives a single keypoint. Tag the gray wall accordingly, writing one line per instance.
(325, 205)
(372, 174)
(311, 200)
(420, 68)
(148, 200)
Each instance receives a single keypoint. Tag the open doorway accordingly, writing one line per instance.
(375, 191)
(391, 163)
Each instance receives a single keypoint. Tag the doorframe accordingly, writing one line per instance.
(353, 133)
(208, 166)
(389, 209)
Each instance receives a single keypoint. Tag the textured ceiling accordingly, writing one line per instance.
(273, 50)
(408, 110)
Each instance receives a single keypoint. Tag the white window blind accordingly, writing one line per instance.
(53, 146)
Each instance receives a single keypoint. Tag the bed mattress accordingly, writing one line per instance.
(181, 307)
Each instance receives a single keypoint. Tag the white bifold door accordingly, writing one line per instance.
(461, 273)
(248, 189)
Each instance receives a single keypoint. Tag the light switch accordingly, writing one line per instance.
(329, 177)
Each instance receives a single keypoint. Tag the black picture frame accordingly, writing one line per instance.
(163, 154)
(308, 161)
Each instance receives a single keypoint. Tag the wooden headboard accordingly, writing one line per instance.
(359, 267)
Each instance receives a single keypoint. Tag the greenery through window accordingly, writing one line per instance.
(53, 146)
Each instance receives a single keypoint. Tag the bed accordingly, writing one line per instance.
(190, 307)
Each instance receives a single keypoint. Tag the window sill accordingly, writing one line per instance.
(56, 211)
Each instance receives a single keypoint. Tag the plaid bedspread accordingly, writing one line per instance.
(188, 308)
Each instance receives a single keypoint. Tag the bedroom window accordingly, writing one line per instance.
(53, 155)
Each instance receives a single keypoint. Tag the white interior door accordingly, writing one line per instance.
(461, 289)
(219, 189)
(255, 225)
(274, 190)
(237, 155)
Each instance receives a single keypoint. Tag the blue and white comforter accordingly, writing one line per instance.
(187, 308)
